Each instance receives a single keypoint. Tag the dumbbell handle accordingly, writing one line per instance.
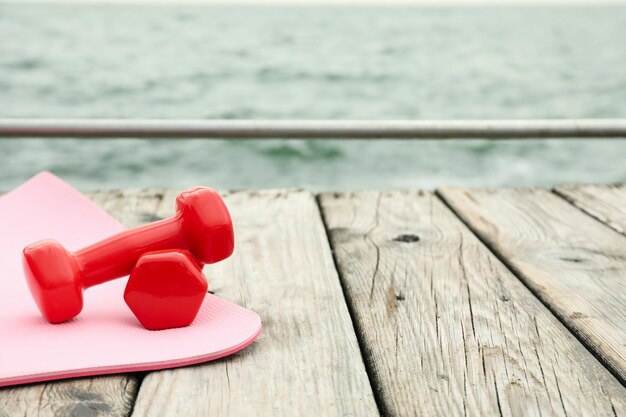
(115, 256)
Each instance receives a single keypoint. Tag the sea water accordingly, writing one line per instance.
(313, 62)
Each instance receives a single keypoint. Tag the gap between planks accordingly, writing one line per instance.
(363, 347)
(606, 203)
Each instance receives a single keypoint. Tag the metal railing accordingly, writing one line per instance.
(313, 129)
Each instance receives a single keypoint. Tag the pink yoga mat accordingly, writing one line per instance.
(105, 338)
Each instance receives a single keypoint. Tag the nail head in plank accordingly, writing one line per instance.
(607, 203)
(446, 328)
(307, 360)
(573, 263)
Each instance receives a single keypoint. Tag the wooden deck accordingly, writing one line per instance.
(461, 302)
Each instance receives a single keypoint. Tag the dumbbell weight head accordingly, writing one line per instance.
(166, 289)
(52, 274)
(202, 209)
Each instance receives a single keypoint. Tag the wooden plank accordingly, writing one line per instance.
(606, 203)
(96, 396)
(573, 263)
(307, 361)
(446, 329)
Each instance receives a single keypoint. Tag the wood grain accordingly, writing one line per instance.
(606, 203)
(446, 329)
(574, 263)
(95, 396)
(307, 361)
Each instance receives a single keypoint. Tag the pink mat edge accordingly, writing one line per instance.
(123, 369)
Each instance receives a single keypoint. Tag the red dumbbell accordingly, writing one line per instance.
(166, 289)
(57, 277)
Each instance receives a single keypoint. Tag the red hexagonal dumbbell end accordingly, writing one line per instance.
(166, 289)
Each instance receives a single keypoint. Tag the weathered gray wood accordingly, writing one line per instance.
(96, 396)
(447, 330)
(307, 361)
(574, 263)
(606, 203)
(88, 397)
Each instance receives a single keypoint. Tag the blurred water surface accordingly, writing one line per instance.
(270, 62)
